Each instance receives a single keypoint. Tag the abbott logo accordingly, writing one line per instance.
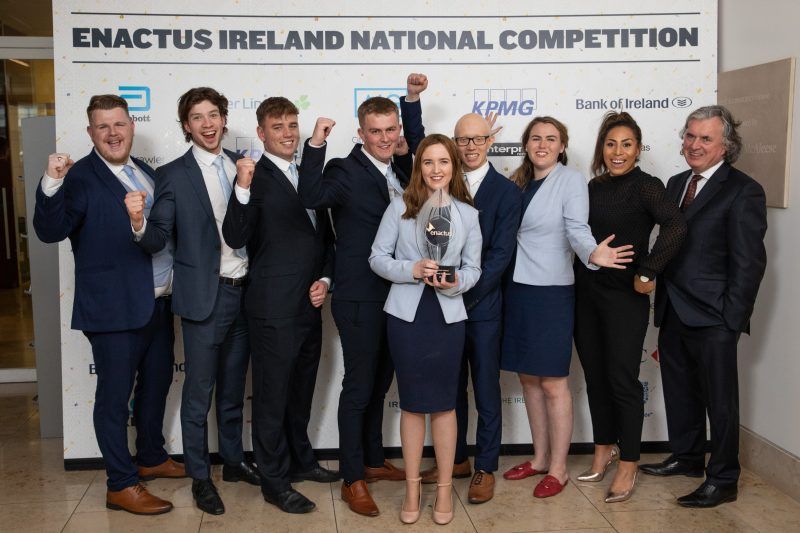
(138, 97)
(362, 93)
(504, 102)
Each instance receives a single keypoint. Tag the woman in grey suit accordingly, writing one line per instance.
(426, 312)
(540, 296)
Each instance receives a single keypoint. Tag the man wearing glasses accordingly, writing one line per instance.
(499, 202)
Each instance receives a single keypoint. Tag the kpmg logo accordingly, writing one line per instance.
(362, 93)
(138, 97)
(504, 102)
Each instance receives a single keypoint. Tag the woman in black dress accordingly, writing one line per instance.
(612, 307)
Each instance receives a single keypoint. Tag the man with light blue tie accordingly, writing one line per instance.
(121, 299)
(191, 200)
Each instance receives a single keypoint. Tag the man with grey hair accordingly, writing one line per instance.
(704, 300)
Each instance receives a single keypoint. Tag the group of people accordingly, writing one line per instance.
(245, 253)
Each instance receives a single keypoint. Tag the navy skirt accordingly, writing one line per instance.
(427, 357)
(537, 330)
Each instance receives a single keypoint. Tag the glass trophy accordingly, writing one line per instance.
(438, 235)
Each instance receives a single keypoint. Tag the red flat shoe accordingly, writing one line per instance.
(521, 471)
(549, 486)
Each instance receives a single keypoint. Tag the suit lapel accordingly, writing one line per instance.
(712, 187)
(378, 178)
(195, 177)
(283, 182)
(108, 179)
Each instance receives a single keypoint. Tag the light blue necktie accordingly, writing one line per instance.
(394, 183)
(295, 180)
(128, 170)
(223, 178)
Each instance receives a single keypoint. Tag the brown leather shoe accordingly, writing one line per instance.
(460, 471)
(358, 498)
(387, 472)
(168, 468)
(481, 488)
(136, 500)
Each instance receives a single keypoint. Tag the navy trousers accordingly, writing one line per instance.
(217, 352)
(482, 356)
(139, 360)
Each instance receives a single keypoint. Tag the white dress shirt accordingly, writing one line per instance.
(475, 178)
(383, 168)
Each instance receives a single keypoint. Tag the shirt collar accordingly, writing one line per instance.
(709, 171)
(114, 168)
(475, 176)
(282, 164)
(204, 156)
(381, 166)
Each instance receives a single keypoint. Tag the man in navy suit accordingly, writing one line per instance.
(499, 204)
(358, 189)
(703, 303)
(291, 255)
(121, 299)
(191, 200)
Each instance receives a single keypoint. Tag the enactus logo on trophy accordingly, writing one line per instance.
(438, 224)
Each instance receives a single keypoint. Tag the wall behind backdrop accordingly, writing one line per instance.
(570, 60)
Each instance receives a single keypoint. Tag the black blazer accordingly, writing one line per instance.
(182, 210)
(113, 277)
(287, 254)
(714, 279)
(358, 196)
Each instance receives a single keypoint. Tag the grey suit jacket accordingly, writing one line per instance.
(395, 251)
(554, 225)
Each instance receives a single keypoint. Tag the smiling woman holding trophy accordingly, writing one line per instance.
(429, 246)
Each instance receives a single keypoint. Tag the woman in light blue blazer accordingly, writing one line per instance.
(540, 296)
(426, 315)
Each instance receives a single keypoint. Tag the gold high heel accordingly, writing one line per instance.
(590, 476)
(614, 497)
(409, 517)
(443, 518)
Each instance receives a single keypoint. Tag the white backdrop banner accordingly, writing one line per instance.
(572, 59)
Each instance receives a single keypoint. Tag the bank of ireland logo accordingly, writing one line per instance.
(362, 93)
(681, 101)
(505, 102)
(137, 96)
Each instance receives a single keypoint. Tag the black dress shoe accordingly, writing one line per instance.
(206, 496)
(708, 495)
(290, 501)
(672, 467)
(318, 474)
(241, 472)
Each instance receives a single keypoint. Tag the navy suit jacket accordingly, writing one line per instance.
(499, 205)
(113, 276)
(357, 195)
(287, 253)
(714, 279)
(182, 210)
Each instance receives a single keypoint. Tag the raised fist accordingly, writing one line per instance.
(401, 148)
(134, 203)
(415, 84)
(58, 165)
(322, 129)
(244, 172)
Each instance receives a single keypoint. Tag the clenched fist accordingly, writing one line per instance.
(401, 148)
(244, 172)
(58, 165)
(134, 203)
(415, 84)
(322, 129)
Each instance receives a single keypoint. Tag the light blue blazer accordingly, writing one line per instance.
(395, 251)
(555, 224)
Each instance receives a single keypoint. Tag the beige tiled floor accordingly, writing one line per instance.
(36, 494)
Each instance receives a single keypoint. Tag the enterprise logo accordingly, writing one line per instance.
(362, 93)
(504, 102)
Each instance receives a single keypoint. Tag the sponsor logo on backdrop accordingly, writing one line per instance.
(646, 393)
(138, 98)
(505, 102)
(511, 400)
(505, 150)
(624, 103)
(362, 93)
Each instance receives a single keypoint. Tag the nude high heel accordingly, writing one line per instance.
(590, 476)
(409, 517)
(442, 518)
(615, 497)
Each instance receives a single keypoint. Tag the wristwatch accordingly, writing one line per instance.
(644, 279)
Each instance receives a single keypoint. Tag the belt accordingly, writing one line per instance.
(233, 282)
